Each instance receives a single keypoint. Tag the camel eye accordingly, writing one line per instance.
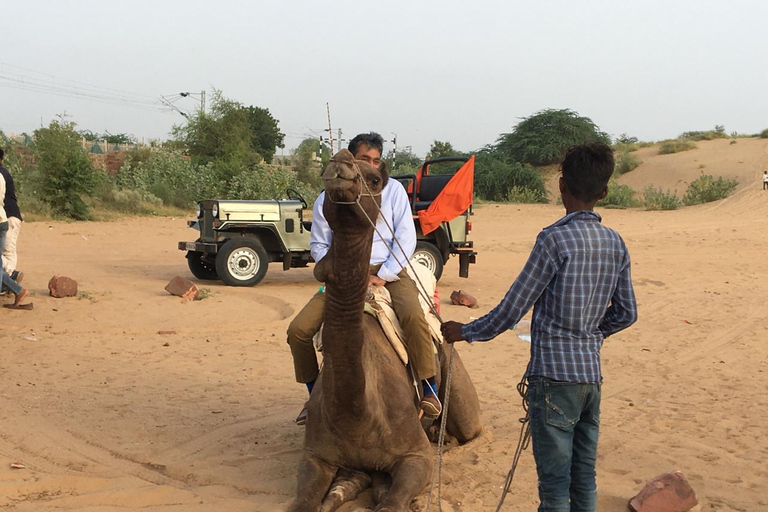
(375, 181)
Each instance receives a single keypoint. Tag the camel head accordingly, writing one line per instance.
(352, 192)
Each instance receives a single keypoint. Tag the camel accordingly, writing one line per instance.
(363, 426)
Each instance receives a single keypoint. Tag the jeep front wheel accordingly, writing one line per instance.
(242, 262)
(200, 267)
(428, 255)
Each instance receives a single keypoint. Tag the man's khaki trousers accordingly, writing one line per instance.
(405, 301)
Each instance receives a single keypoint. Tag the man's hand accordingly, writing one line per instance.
(376, 281)
(451, 331)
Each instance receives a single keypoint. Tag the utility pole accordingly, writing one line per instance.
(330, 131)
(202, 101)
(394, 150)
(340, 139)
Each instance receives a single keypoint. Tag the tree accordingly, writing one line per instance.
(403, 162)
(544, 137)
(266, 136)
(231, 135)
(440, 150)
(310, 157)
(66, 172)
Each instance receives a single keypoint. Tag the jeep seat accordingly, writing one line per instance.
(430, 188)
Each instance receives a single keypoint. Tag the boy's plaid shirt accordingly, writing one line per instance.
(578, 281)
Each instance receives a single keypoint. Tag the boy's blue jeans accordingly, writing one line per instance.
(565, 422)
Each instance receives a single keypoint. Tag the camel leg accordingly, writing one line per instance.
(347, 485)
(315, 477)
(409, 478)
(464, 406)
(381, 484)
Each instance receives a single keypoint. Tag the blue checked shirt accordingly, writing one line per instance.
(578, 281)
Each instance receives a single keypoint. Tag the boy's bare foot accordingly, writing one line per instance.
(17, 304)
(20, 297)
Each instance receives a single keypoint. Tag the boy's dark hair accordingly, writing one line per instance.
(372, 140)
(587, 169)
(2, 154)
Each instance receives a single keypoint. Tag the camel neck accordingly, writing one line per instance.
(343, 376)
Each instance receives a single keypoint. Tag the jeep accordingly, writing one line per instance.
(238, 239)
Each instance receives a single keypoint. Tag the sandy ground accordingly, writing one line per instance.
(108, 414)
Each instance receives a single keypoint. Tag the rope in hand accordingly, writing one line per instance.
(522, 442)
(441, 440)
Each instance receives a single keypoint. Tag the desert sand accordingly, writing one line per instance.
(128, 398)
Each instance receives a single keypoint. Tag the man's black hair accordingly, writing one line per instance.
(587, 169)
(372, 140)
(2, 154)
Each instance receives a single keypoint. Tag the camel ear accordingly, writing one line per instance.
(384, 174)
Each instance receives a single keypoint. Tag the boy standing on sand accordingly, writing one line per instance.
(765, 180)
(577, 279)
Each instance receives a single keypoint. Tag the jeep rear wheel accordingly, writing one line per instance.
(428, 255)
(200, 267)
(242, 262)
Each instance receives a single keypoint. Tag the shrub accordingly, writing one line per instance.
(658, 199)
(717, 133)
(626, 162)
(764, 134)
(268, 182)
(675, 146)
(171, 177)
(499, 180)
(543, 138)
(707, 188)
(65, 172)
(619, 196)
(523, 195)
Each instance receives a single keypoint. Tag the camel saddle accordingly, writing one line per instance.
(379, 305)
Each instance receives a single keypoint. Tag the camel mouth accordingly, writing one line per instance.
(341, 189)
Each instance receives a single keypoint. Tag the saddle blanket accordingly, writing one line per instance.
(379, 305)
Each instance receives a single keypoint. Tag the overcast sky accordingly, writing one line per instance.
(457, 71)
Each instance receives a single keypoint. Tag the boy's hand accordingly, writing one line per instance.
(451, 331)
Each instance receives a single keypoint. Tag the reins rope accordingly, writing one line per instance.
(522, 441)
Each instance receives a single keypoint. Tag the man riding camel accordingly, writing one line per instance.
(388, 269)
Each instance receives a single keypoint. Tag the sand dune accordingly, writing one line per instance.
(107, 414)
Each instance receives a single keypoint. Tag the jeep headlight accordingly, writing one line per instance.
(215, 210)
(199, 210)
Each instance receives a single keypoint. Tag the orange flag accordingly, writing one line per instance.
(452, 201)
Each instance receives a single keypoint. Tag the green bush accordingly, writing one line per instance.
(675, 146)
(268, 182)
(626, 162)
(65, 172)
(543, 138)
(717, 133)
(619, 196)
(172, 178)
(707, 188)
(764, 134)
(499, 180)
(658, 199)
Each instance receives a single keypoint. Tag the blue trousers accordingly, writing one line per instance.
(565, 423)
(7, 282)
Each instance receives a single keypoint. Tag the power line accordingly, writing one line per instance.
(70, 88)
(54, 78)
